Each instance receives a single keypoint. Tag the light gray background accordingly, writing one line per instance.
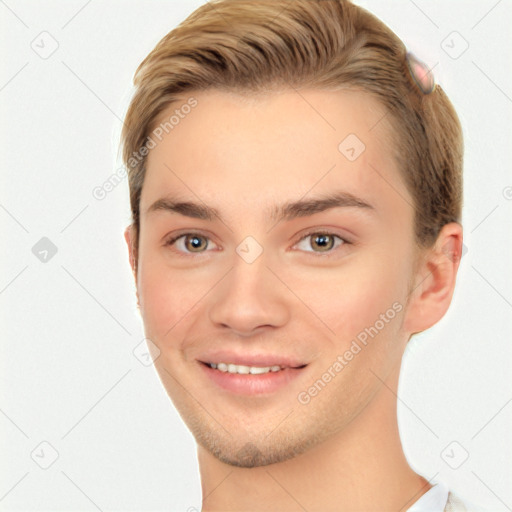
(70, 324)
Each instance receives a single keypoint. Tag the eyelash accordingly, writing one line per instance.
(332, 252)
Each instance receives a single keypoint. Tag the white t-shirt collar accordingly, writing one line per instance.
(434, 500)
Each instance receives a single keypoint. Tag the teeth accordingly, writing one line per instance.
(254, 370)
(238, 368)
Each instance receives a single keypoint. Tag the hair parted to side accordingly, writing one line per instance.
(257, 46)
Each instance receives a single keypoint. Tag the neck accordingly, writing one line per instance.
(360, 468)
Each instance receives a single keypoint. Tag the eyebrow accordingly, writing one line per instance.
(287, 211)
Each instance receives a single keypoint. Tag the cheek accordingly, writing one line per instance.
(167, 300)
(353, 297)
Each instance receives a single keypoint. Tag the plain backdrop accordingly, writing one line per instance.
(84, 424)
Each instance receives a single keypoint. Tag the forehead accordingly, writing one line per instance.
(253, 151)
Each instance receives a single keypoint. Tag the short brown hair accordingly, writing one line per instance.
(251, 46)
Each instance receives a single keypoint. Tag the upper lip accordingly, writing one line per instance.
(259, 360)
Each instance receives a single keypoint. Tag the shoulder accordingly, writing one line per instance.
(455, 503)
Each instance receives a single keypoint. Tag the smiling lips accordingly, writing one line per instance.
(250, 375)
(244, 370)
(251, 360)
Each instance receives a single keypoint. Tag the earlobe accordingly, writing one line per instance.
(435, 279)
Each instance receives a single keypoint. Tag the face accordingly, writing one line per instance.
(291, 272)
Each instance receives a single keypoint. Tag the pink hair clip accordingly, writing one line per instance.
(420, 73)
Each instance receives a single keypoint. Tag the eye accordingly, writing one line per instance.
(324, 241)
(190, 243)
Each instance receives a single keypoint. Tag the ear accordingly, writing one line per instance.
(434, 280)
(129, 236)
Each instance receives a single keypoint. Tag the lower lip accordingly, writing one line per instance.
(248, 384)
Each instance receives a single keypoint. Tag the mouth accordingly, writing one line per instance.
(248, 370)
(248, 379)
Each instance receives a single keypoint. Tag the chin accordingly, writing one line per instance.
(252, 455)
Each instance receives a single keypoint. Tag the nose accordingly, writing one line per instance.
(249, 298)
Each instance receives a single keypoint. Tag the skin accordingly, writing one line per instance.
(241, 155)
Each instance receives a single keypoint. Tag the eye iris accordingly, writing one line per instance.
(321, 239)
(194, 244)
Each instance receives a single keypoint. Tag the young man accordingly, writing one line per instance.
(296, 188)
